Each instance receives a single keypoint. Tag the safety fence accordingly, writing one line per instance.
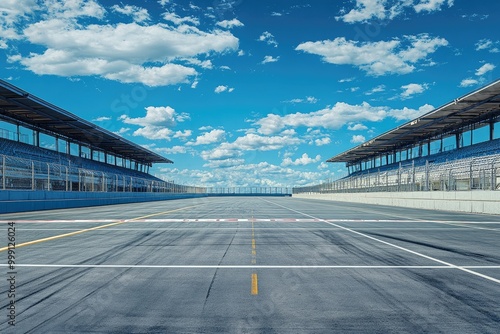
(24, 174)
(481, 173)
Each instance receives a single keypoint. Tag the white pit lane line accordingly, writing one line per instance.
(465, 269)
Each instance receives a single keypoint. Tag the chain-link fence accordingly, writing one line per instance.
(482, 173)
(24, 174)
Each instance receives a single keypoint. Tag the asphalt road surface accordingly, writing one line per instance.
(249, 265)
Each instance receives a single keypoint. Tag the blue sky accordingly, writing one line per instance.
(249, 93)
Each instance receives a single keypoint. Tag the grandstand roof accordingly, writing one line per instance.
(480, 106)
(18, 105)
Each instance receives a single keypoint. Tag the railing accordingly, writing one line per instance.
(468, 174)
(24, 174)
(249, 190)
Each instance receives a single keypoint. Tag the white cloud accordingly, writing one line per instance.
(101, 119)
(308, 99)
(238, 174)
(488, 44)
(207, 64)
(183, 134)
(248, 142)
(366, 10)
(322, 141)
(468, 82)
(357, 127)
(409, 113)
(224, 163)
(222, 88)
(74, 9)
(211, 137)
(137, 13)
(302, 161)
(122, 131)
(335, 117)
(358, 139)
(412, 89)
(398, 56)
(268, 38)
(431, 5)
(228, 24)
(270, 59)
(127, 53)
(378, 89)
(329, 118)
(171, 150)
(157, 122)
(485, 69)
(176, 19)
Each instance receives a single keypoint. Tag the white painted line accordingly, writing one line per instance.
(243, 220)
(395, 246)
(60, 221)
(140, 266)
(229, 228)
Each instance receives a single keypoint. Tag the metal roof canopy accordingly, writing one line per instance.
(18, 105)
(480, 106)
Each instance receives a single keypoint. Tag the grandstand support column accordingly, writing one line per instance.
(103, 182)
(3, 172)
(48, 176)
(492, 130)
(32, 175)
(399, 177)
(36, 138)
(493, 176)
(67, 183)
(471, 180)
(427, 175)
(413, 176)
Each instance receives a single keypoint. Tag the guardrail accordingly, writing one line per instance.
(482, 173)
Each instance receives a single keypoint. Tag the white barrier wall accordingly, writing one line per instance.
(462, 201)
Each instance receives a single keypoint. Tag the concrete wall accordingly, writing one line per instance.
(19, 201)
(481, 201)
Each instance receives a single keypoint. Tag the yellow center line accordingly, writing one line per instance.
(255, 281)
(28, 243)
(255, 284)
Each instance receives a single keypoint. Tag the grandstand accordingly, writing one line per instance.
(43, 147)
(454, 147)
